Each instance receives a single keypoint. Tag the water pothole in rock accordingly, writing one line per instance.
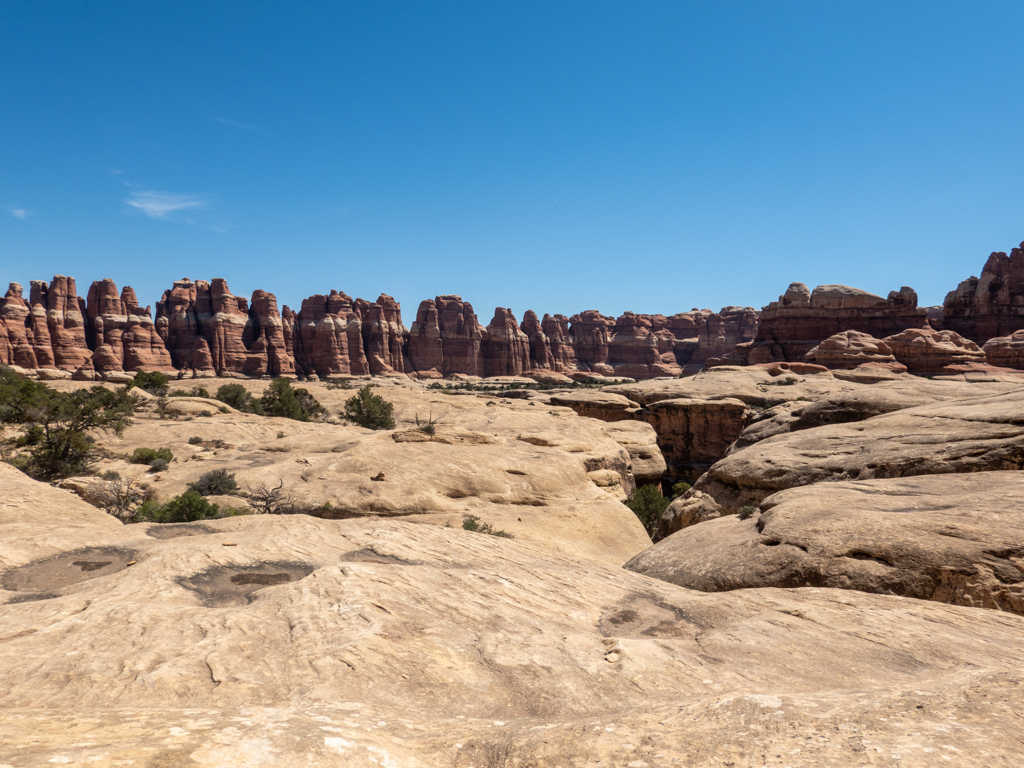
(222, 585)
(65, 569)
(177, 530)
(367, 555)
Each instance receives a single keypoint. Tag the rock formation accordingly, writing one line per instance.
(992, 305)
(327, 338)
(15, 337)
(927, 351)
(1006, 351)
(121, 333)
(864, 535)
(849, 349)
(505, 349)
(800, 320)
(591, 337)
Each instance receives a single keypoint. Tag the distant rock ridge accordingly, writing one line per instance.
(202, 330)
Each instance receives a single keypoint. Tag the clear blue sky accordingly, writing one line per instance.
(555, 156)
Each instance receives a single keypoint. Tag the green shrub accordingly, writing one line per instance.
(218, 482)
(187, 508)
(158, 465)
(238, 397)
(648, 504)
(281, 399)
(679, 489)
(369, 410)
(58, 423)
(472, 523)
(153, 382)
(744, 513)
(149, 455)
(195, 440)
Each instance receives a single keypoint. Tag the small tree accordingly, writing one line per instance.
(149, 455)
(58, 422)
(121, 496)
(648, 505)
(281, 399)
(369, 410)
(238, 397)
(153, 382)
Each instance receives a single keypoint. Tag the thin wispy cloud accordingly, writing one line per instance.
(241, 126)
(165, 205)
(19, 213)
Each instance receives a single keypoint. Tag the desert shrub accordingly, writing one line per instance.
(267, 500)
(744, 513)
(369, 410)
(472, 523)
(194, 392)
(110, 474)
(679, 489)
(648, 504)
(121, 497)
(196, 440)
(238, 397)
(281, 399)
(187, 508)
(58, 423)
(206, 413)
(149, 455)
(280, 435)
(218, 482)
(337, 384)
(153, 382)
(158, 465)
(430, 425)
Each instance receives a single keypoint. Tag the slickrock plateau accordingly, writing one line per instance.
(381, 642)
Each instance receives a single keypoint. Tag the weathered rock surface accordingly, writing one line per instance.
(371, 642)
(516, 464)
(849, 349)
(975, 434)
(951, 538)
(1006, 351)
(926, 351)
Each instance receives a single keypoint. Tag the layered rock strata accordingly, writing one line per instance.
(800, 320)
(992, 305)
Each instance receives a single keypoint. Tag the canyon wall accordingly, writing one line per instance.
(201, 329)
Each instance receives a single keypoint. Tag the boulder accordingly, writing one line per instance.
(1006, 351)
(849, 349)
(927, 351)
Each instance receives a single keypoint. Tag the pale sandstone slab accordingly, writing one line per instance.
(368, 643)
(951, 538)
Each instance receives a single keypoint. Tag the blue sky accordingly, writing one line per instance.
(555, 156)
